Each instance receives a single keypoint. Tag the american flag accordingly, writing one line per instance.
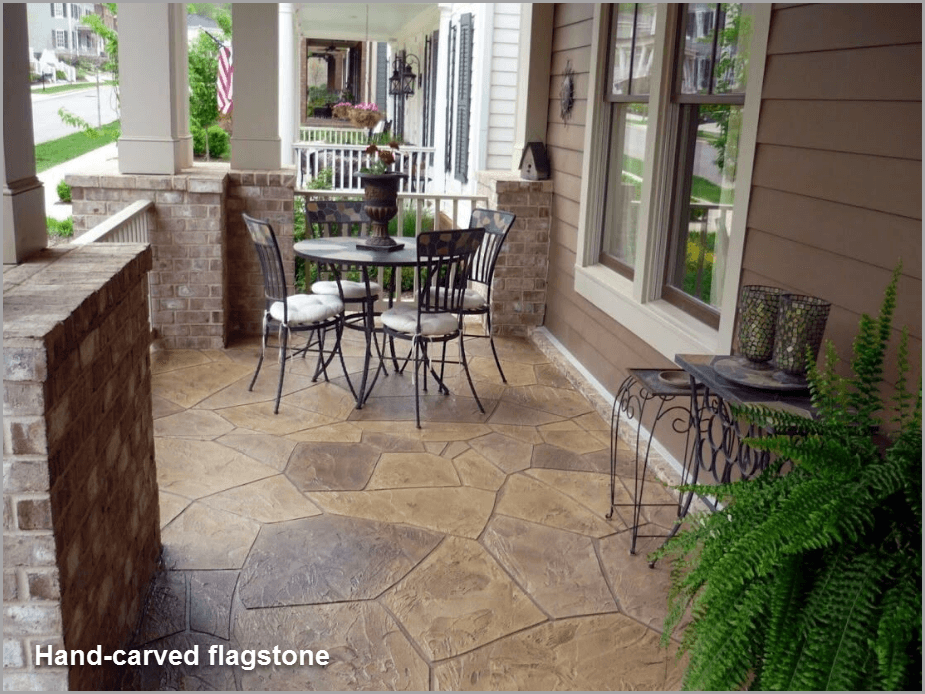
(225, 73)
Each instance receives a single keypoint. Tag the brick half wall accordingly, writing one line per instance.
(81, 524)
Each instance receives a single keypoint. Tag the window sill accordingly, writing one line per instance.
(665, 327)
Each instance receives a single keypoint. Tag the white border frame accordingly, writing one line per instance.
(636, 304)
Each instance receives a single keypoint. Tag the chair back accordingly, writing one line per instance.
(444, 259)
(496, 225)
(336, 218)
(271, 261)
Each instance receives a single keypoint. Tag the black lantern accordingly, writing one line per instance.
(402, 80)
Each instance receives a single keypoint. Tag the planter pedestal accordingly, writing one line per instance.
(381, 205)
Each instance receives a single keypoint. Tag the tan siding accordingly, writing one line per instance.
(889, 185)
(882, 128)
(887, 73)
(844, 26)
(569, 13)
(844, 230)
(837, 185)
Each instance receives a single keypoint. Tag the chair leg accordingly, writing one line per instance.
(417, 397)
(491, 341)
(465, 364)
(282, 367)
(263, 348)
(322, 366)
(343, 365)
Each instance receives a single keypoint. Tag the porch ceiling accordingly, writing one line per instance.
(346, 20)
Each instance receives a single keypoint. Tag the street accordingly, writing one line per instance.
(47, 124)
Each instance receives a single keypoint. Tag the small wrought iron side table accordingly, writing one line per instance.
(642, 390)
(719, 449)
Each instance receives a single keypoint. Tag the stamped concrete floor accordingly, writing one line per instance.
(473, 553)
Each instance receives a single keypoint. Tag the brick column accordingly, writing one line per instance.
(518, 295)
(81, 529)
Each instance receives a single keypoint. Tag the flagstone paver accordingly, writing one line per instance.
(472, 553)
(330, 559)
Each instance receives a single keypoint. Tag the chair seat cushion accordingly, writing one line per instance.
(403, 318)
(472, 300)
(306, 309)
(352, 289)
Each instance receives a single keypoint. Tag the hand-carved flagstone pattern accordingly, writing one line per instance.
(470, 554)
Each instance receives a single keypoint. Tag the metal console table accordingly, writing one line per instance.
(714, 439)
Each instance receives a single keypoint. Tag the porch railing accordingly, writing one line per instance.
(333, 135)
(428, 211)
(345, 162)
(131, 225)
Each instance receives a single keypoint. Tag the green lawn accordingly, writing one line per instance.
(58, 88)
(64, 149)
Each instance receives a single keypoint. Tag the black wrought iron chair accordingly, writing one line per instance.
(444, 258)
(312, 313)
(496, 225)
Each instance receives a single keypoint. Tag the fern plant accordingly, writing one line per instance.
(810, 576)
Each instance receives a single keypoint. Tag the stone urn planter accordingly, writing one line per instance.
(381, 204)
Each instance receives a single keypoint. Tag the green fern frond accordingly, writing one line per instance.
(902, 604)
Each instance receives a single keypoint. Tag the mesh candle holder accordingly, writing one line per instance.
(758, 312)
(800, 325)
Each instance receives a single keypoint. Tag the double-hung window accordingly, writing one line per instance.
(669, 148)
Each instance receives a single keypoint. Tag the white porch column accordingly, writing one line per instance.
(255, 143)
(154, 89)
(536, 29)
(24, 229)
(288, 82)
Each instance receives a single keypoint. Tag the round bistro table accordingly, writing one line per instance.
(342, 250)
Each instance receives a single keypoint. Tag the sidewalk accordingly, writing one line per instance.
(86, 163)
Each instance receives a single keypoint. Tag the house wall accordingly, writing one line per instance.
(81, 530)
(502, 90)
(836, 194)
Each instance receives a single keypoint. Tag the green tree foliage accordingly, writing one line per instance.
(810, 578)
(203, 68)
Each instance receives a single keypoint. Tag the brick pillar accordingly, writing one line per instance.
(265, 195)
(518, 295)
(81, 529)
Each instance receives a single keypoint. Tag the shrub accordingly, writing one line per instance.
(199, 139)
(64, 192)
(59, 74)
(60, 227)
(219, 141)
(812, 579)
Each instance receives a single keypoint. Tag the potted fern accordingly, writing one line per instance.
(810, 575)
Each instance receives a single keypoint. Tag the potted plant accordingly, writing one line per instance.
(810, 577)
(380, 194)
(365, 115)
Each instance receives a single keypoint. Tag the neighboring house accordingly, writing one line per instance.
(470, 52)
(196, 24)
(56, 26)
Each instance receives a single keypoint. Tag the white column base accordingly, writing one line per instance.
(255, 153)
(154, 155)
(24, 229)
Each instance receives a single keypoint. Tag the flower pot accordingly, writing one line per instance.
(800, 325)
(380, 194)
(363, 118)
(758, 308)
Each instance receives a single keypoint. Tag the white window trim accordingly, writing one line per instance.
(636, 303)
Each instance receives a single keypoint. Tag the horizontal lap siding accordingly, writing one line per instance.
(837, 185)
(503, 88)
(599, 343)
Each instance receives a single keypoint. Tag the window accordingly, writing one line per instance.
(75, 11)
(57, 9)
(669, 145)
(60, 39)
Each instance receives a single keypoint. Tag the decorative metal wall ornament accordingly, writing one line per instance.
(567, 92)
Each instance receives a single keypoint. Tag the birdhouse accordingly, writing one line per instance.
(534, 166)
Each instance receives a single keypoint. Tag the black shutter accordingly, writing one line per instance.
(432, 77)
(464, 106)
(64, 9)
(382, 77)
(52, 8)
(450, 68)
